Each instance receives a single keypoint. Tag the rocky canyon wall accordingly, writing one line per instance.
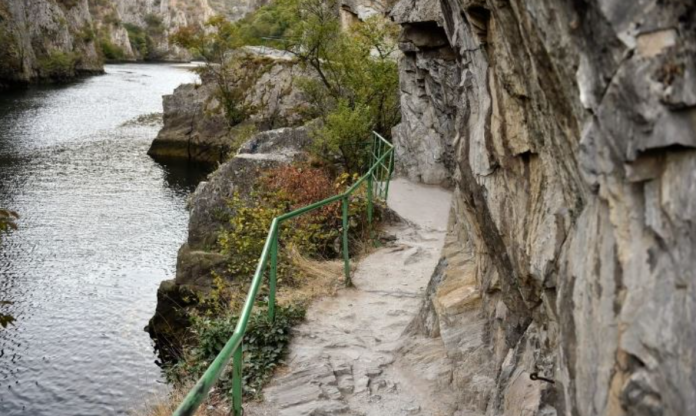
(44, 38)
(123, 21)
(567, 129)
(61, 39)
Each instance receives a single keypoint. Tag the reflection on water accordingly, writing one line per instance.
(101, 224)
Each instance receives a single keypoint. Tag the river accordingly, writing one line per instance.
(100, 227)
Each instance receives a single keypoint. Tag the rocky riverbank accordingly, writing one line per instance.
(198, 260)
(197, 130)
(46, 40)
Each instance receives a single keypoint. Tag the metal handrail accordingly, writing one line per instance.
(378, 175)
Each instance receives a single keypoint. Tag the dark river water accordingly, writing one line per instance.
(100, 226)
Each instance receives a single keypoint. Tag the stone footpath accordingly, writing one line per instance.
(345, 358)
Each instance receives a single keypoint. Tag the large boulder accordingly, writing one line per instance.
(195, 128)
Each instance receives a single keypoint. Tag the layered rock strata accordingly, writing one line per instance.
(566, 130)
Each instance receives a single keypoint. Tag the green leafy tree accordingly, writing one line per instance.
(215, 44)
(342, 135)
(270, 25)
(357, 85)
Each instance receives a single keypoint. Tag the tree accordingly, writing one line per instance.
(357, 85)
(215, 44)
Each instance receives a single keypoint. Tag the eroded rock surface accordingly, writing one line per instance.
(566, 129)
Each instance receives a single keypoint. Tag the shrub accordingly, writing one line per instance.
(245, 235)
(58, 65)
(68, 4)
(86, 34)
(112, 19)
(10, 54)
(139, 40)
(154, 23)
(110, 51)
(342, 137)
(265, 344)
(270, 24)
(7, 220)
(296, 186)
(7, 223)
(313, 234)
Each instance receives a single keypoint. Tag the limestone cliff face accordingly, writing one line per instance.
(45, 39)
(236, 9)
(162, 18)
(567, 130)
(60, 39)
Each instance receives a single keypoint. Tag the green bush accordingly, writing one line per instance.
(10, 54)
(342, 136)
(243, 238)
(112, 19)
(110, 51)
(154, 23)
(87, 34)
(7, 223)
(58, 65)
(140, 41)
(271, 24)
(265, 344)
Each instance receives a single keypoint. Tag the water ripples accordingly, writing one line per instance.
(101, 223)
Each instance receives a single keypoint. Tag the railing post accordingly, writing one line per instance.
(389, 174)
(379, 150)
(237, 363)
(369, 204)
(272, 278)
(346, 255)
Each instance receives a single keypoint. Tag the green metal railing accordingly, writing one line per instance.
(378, 176)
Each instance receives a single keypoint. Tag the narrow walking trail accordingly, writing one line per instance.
(343, 359)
